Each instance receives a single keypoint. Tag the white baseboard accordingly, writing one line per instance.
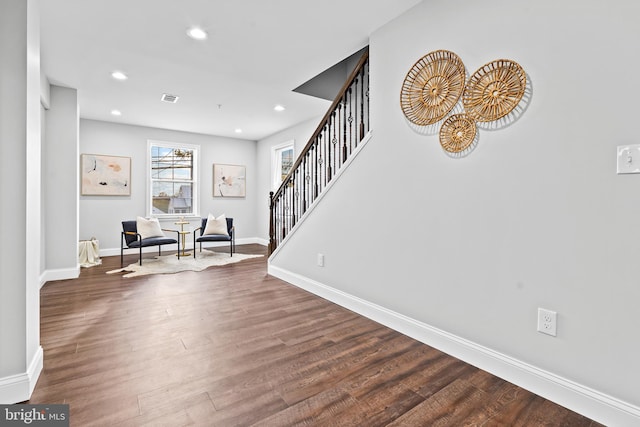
(59, 274)
(583, 400)
(263, 242)
(18, 388)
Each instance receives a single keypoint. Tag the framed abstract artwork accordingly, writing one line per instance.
(105, 175)
(229, 180)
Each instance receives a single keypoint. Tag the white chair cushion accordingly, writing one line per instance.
(148, 227)
(216, 225)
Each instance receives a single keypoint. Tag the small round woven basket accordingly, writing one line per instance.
(457, 133)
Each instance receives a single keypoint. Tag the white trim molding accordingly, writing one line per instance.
(59, 274)
(579, 398)
(18, 388)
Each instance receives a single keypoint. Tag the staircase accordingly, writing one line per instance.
(335, 139)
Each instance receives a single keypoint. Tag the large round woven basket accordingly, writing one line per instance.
(494, 90)
(432, 87)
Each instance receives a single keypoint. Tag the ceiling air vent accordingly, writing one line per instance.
(169, 98)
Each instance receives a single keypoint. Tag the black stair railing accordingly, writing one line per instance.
(342, 128)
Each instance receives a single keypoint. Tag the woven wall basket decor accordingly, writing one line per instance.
(494, 90)
(432, 87)
(457, 133)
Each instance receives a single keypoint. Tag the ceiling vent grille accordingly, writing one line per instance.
(169, 98)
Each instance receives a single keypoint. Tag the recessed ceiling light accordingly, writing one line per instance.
(279, 108)
(197, 33)
(116, 113)
(119, 75)
(238, 130)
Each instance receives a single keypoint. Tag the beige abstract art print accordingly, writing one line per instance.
(105, 175)
(229, 180)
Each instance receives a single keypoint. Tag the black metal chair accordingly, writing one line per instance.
(133, 240)
(231, 238)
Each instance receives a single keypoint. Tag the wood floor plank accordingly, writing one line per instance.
(450, 406)
(233, 346)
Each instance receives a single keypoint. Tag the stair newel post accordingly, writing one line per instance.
(271, 224)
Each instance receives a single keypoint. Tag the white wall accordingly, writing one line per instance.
(20, 216)
(300, 134)
(101, 216)
(535, 217)
(60, 168)
(45, 103)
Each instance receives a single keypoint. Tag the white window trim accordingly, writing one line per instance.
(276, 180)
(195, 192)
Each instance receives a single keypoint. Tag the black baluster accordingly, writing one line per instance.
(315, 167)
(368, 103)
(331, 146)
(284, 212)
(362, 105)
(344, 132)
(355, 113)
(296, 200)
(304, 183)
(350, 120)
(320, 161)
(293, 201)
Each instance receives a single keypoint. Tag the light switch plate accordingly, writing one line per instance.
(629, 159)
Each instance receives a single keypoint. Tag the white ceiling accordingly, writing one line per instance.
(256, 53)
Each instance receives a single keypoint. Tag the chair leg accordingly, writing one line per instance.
(140, 255)
(121, 249)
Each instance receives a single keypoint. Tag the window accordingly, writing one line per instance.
(173, 179)
(282, 160)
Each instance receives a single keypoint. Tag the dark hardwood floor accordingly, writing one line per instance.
(232, 346)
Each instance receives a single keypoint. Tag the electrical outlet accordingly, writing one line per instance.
(320, 260)
(547, 322)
